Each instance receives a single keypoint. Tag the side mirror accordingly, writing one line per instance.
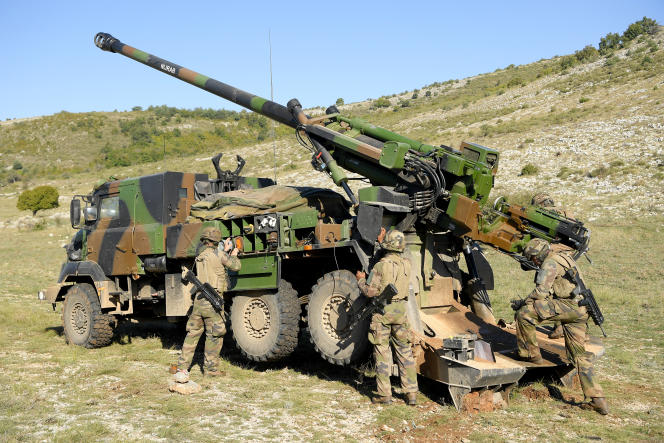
(90, 213)
(75, 212)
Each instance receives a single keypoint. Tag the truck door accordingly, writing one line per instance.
(110, 243)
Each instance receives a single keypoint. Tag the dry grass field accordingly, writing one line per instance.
(595, 133)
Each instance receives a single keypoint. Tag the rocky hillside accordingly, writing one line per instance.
(586, 127)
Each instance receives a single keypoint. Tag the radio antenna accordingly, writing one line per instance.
(274, 134)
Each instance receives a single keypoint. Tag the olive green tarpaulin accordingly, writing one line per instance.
(243, 202)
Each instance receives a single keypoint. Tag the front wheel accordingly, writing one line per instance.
(82, 319)
(266, 326)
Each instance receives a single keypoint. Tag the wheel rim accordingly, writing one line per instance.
(257, 318)
(335, 316)
(79, 319)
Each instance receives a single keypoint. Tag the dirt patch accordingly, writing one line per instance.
(479, 402)
(441, 429)
(533, 394)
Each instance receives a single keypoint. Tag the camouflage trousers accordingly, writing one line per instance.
(574, 321)
(203, 316)
(392, 325)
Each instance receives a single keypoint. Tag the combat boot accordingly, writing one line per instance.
(380, 400)
(535, 359)
(411, 398)
(599, 404)
(557, 332)
(181, 376)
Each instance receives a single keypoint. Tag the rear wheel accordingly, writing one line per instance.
(84, 323)
(266, 326)
(334, 299)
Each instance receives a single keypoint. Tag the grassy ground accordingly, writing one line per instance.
(571, 122)
(60, 392)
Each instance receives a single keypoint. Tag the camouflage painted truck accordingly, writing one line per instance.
(298, 260)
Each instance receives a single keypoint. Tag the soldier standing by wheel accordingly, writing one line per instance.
(554, 299)
(211, 267)
(392, 323)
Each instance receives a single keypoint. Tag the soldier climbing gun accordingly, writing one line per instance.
(206, 291)
(588, 298)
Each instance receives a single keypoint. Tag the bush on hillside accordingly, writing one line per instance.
(609, 42)
(529, 169)
(587, 54)
(41, 197)
(381, 103)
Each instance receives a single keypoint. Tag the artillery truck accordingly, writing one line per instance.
(300, 246)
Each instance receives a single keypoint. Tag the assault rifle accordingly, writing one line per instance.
(206, 291)
(375, 304)
(588, 298)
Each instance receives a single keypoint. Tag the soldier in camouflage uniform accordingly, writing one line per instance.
(553, 300)
(211, 266)
(391, 324)
(545, 201)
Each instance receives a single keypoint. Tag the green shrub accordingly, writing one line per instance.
(587, 54)
(17, 165)
(427, 94)
(529, 169)
(515, 81)
(41, 197)
(567, 62)
(381, 102)
(610, 61)
(609, 42)
(583, 99)
(137, 108)
(339, 102)
(602, 171)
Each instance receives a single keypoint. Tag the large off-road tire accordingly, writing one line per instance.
(332, 301)
(266, 326)
(84, 323)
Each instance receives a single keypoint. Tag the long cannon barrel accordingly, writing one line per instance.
(252, 102)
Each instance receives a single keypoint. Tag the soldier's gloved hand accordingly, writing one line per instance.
(228, 244)
(517, 303)
(359, 275)
(235, 252)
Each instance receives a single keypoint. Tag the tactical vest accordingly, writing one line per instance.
(210, 270)
(396, 270)
(562, 285)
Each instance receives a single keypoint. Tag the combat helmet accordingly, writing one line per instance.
(212, 234)
(536, 248)
(394, 241)
(542, 199)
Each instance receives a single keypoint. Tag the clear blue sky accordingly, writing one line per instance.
(320, 50)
